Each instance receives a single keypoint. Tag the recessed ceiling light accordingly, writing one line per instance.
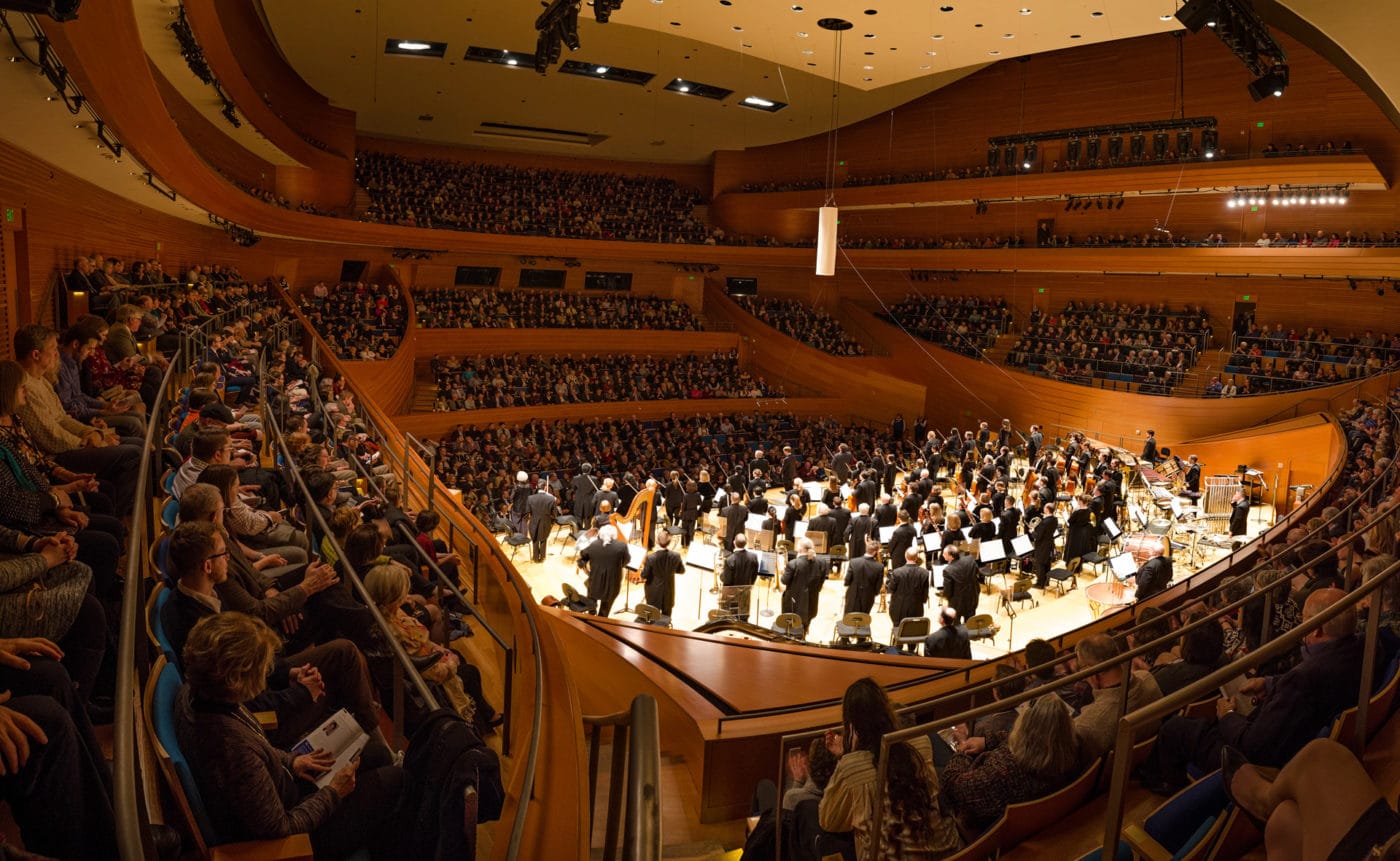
(994, 53)
(757, 102)
(925, 67)
(867, 79)
(977, 26)
(932, 53)
(870, 35)
(602, 70)
(872, 11)
(937, 36)
(869, 53)
(1075, 36)
(738, 29)
(408, 45)
(675, 23)
(725, 3)
(1025, 11)
(1008, 35)
(801, 35)
(1096, 14)
(683, 88)
(1166, 17)
(657, 2)
(808, 51)
(797, 8)
(868, 68)
(512, 62)
(945, 8)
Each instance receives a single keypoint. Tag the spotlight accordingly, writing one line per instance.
(1069, 203)
(1120, 203)
(1351, 282)
(1030, 153)
(1344, 196)
(1195, 14)
(993, 156)
(1210, 140)
(1272, 84)
(568, 27)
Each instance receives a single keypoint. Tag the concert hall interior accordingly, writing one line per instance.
(699, 429)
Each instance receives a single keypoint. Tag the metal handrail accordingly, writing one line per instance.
(1284, 644)
(131, 816)
(636, 747)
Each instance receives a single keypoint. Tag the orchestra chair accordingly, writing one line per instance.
(838, 558)
(1020, 591)
(818, 542)
(708, 533)
(516, 540)
(571, 539)
(566, 521)
(159, 705)
(911, 633)
(649, 615)
(790, 626)
(573, 601)
(1096, 559)
(167, 483)
(982, 627)
(853, 628)
(1059, 576)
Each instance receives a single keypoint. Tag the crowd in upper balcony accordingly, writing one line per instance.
(1150, 347)
(359, 321)
(493, 198)
(963, 324)
(491, 382)
(1274, 360)
(812, 326)
(483, 308)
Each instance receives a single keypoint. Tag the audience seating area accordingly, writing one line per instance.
(812, 326)
(490, 382)
(963, 324)
(486, 198)
(1266, 360)
(1150, 347)
(359, 321)
(481, 308)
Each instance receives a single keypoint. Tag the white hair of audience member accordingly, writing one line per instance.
(521, 476)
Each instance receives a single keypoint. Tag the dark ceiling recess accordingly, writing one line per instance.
(834, 24)
(59, 10)
(604, 72)
(495, 56)
(695, 88)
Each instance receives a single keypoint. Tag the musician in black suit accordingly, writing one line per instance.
(1081, 533)
(841, 462)
(888, 475)
(903, 537)
(1009, 524)
(908, 588)
(960, 582)
(790, 464)
(913, 500)
(659, 574)
(824, 523)
(584, 487)
(519, 511)
(885, 513)
(691, 503)
(604, 560)
(863, 579)
(734, 514)
(952, 531)
(740, 569)
(540, 506)
(802, 582)
(1043, 546)
(867, 489)
(862, 528)
(840, 524)
(674, 495)
(1192, 477)
(1154, 575)
(1239, 514)
(759, 464)
(1149, 448)
(1033, 443)
(758, 503)
(606, 492)
(951, 640)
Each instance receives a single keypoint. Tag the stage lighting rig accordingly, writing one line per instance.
(557, 26)
(1239, 27)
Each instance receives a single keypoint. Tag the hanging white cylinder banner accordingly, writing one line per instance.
(826, 240)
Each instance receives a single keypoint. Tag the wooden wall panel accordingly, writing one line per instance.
(221, 152)
(289, 96)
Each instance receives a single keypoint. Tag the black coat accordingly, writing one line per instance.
(1154, 576)
(949, 641)
(803, 580)
(960, 585)
(659, 574)
(1082, 536)
(734, 517)
(583, 489)
(605, 563)
(540, 505)
(612, 498)
(1239, 517)
(908, 587)
(864, 577)
(862, 527)
(740, 569)
(902, 539)
(1043, 539)
(885, 514)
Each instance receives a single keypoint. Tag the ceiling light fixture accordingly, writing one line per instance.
(413, 46)
(827, 214)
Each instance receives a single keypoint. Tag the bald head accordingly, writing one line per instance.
(1337, 627)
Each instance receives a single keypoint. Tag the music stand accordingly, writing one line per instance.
(818, 539)
(1123, 566)
(886, 533)
(799, 529)
(760, 539)
(991, 552)
(933, 541)
(767, 567)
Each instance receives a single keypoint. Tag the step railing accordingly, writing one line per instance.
(635, 760)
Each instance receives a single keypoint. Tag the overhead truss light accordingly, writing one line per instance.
(761, 104)
(415, 48)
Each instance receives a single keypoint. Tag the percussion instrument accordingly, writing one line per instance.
(1220, 489)
(1142, 546)
(1104, 597)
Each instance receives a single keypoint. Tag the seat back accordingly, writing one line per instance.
(1141, 750)
(986, 846)
(1029, 817)
(1189, 823)
(155, 628)
(855, 620)
(162, 689)
(914, 629)
(647, 614)
(789, 624)
(170, 512)
(980, 627)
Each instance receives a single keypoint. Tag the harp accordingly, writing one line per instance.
(634, 526)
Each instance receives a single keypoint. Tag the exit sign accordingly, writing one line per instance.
(9, 215)
(1040, 290)
(1246, 298)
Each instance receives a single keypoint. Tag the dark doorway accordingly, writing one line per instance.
(1244, 318)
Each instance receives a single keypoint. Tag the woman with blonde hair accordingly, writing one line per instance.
(387, 585)
(1040, 756)
(252, 790)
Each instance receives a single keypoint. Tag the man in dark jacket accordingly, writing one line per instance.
(1154, 575)
(903, 537)
(862, 528)
(950, 640)
(863, 579)
(604, 559)
(1043, 547)
(960, 582)
(734, 514)
(583, 488)
(659, 575)
(740, 569)
(908, 588)
(803, 581)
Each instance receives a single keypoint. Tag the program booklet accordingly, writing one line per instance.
(340, 735)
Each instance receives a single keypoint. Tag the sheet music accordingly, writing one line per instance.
(814, 490)
(754, 522)
(1111, 528)
(636, 556)
(624, 529)
(966, 532)
(767, 564)
(702, 556)
(1124, 565)
(933, 541)
(936, 576)
(992, 551)
(1021, 545)
(886, 533)
(780, 511)
(847, 491)
(799, 529)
